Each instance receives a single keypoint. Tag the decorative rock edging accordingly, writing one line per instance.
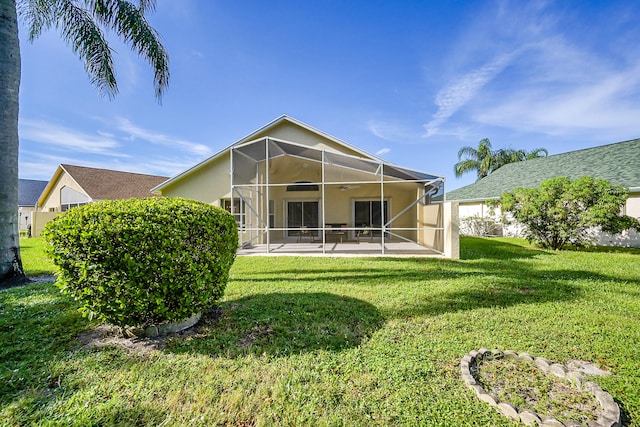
(611, 417)
(162, 329)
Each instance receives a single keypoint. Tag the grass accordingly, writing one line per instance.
(34, 260)
(330, 341)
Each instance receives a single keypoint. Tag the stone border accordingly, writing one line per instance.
(468, 365)
(162, 329)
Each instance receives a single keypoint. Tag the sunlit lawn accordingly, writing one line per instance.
(330, 341)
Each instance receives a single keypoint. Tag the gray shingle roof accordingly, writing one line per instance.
(617, 163)
(29, 191)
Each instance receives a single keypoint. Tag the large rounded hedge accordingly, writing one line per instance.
(138, 262)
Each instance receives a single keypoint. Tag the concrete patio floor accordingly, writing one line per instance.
(337, 249)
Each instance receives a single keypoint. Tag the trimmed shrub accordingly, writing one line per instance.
(563, 212)
(138, 262)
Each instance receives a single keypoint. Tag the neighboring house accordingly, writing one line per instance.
(293, 188)
(617, 163)
(29, 191)
(73, 186)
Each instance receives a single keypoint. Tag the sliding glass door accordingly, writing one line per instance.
(302, 214)
(372, 214)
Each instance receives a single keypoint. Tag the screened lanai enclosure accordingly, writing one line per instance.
(289, 197)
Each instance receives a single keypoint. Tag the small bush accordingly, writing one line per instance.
(563, 212)
(143, 261)
(476, 225)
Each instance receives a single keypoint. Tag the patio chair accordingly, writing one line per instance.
(365, 233)
(304, 232)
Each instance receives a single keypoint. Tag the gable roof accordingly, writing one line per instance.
(253, 135)
(106, 184)
(618, 163)
(29, 191)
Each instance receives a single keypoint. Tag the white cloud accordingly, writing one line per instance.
(383, 151)
(545, 77)
(458, 93)
(46, 145)
(40, 165)
(136, 132)
(43, 132)
(392, 131)
(567, 89)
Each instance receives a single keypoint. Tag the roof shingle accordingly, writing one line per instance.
(29, 191)
(105, 184)
(618, 163)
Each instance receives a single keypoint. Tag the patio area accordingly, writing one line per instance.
(294, 199)
(344, 249)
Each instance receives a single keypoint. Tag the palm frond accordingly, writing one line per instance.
(535, 153)
(465, 166)
(38, 15)
(87, 40)
(484, 147)
(81, 24)
(129, 22)
(468, 152)
(146, 6)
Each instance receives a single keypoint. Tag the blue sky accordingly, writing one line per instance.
(411, 81)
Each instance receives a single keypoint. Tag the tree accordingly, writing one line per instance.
(484, 160)
(509, 155)
(481, 159)
(561, 212)
(82, 24)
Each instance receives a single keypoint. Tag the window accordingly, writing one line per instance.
(371, 213)
(65, 207)
(303, 186)
(302, 214)
(237, 209)
(70, 198)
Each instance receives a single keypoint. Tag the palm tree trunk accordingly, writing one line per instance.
(11, 271)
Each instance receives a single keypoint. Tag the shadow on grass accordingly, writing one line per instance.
(494, 248)
(607, 250)
(282, 324)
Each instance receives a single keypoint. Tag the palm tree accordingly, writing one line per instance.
(82, 24)
(509, 155)
(481, 159)
(484, 160)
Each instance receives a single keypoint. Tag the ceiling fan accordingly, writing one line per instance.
(347, 187)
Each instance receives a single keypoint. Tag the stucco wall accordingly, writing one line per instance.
(633, 205)
(209, 184)
(52, 201)
(212, 182)
(39, 220)
(289, 132)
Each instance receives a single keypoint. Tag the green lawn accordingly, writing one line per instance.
(330, 341)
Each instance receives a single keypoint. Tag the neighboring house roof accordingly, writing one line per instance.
(105, 184)
(618, 163)
(253, 135)
(29, 191)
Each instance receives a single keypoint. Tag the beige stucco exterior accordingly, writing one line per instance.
(212, 184)
(273, 180)
(39, 220)
(304, 136)
(51, 201)
(208, 184)
(632, 208)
